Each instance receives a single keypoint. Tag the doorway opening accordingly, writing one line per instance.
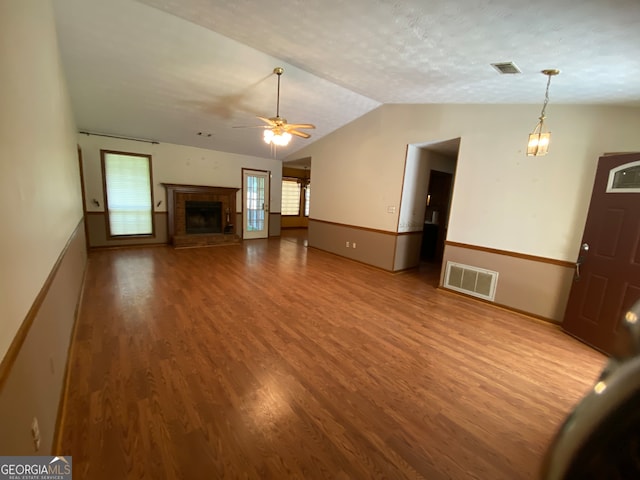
(432, 178)
(296, 194)
(436, 216)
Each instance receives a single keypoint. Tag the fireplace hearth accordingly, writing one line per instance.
(201, 215)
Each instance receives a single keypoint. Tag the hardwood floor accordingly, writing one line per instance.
(271, 360)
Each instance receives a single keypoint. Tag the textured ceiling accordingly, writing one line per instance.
(167, 69)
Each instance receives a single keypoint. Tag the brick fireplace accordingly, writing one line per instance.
(200, 215)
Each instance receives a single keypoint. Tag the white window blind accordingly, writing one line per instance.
(290, 197)
(307, 199)
(128, 189)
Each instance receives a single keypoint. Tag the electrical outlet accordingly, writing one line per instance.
(347, 245)
(35, 433)
(354, 244)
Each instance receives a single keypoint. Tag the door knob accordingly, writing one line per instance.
(584, 248)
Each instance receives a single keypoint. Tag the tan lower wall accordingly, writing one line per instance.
(239, 223)
(295, 222)
(532, 286)
(97, 231)
(33, 384)
(274, 224)
(372, 247)
(408, 247)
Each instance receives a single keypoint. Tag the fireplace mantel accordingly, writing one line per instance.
(178, 194)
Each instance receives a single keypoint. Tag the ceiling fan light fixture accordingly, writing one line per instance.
(278, 132)
(281, 139)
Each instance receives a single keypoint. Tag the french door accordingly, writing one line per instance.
(255, 202)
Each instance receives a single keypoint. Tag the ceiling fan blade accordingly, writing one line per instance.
(251, 126)
(300, 125)
(299, 134)
(266, 120)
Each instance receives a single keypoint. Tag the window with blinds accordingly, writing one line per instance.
(290, 197)
(128, 198)
(307, 199)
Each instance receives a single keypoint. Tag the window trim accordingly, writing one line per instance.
(612, 174)
(109, 235)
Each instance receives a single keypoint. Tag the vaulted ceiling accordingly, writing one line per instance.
(167, 70)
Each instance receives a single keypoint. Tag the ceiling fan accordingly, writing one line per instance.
(277, 131)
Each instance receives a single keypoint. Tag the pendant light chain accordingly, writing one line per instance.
(546, 99)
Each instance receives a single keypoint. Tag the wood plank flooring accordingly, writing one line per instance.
(268, 360)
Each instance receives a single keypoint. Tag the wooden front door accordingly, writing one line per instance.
(607, 278)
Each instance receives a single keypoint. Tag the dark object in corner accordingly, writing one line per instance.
(600, 439)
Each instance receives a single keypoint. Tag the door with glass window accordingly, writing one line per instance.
(255, 202)
(607, 273)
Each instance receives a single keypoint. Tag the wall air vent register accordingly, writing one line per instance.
(474, 281)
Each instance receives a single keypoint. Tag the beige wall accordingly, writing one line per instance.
(502, 199)
(274, 224)
(372, 247)
(407, 251)
(388, 251)
(294, 222)
(40, 191)
(171, 164)
(527, 285)
(39, 179)
(33, 387)
(97, 232)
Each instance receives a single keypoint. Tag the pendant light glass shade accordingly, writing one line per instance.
(538, 140)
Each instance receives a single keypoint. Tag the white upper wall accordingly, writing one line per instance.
(502, 198)
(176, 164)
(412, 192)
(39, 180)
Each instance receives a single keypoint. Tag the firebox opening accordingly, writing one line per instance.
(203, 217)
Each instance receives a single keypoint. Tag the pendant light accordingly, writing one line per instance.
(539, 139)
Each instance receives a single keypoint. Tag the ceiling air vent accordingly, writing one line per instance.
(506, 67)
